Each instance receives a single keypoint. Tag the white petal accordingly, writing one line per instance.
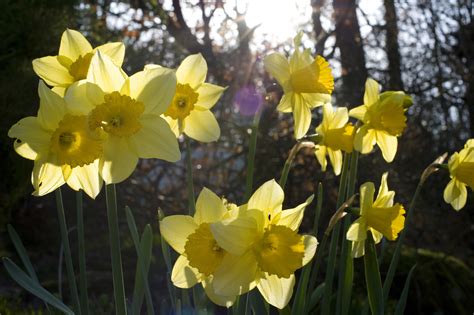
(32, 139)
(116, 51)
(183, 275)
(52, 107)
(175, 229)
(52, 71)
(192, 71)
(292, 217)
(103, 72)
(268, 198)
(277, 65)
(46, 177)
(74, 44)
(86, 178)
(209, 94)
(277, 291)
(119, 160)
(302, 117)
(209, 207)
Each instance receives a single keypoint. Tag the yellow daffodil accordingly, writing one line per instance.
(381, 217)
(307, 82)
(384, 120)
(62, 146)
(73, 60)
(337, 135)
(263, 247)
(127, 111)
(200, 255)
(461, 170)
(189, 111)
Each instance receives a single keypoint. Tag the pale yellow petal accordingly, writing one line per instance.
(156, 140)
(103, 72)
(192, 71)
(173, 123)
(286, 103)
(365, 140)
(371, 92)
(86, 178)
(455, 194)
(276, 291)
(358, 112)
(357, 231)
(236, 274)
(358, 249)
(310, 245)
(376, 235)
(235, 236)
(384, 196)
(335, 156)
(175, 229)
(367, 191)
(222, 300)
(302, 117)
(46, 177)
(202, 126)
(320, 153)
(387, 144)
(209, 207)
(209, 94)
(340, 118)
(277, 65)
(268, 198)
(32, 139)
(52, 107)
(292, 217)
(52, 72)
(119, 160)
(82, 96)
(183, 275)
(74, 44)
(155, 87)
(116, 52)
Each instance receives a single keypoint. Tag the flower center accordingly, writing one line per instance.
(341, 138)
(73, 143)
(387, 220)
(118, 115)
(314, 78)
(280, 251)
(388, 116)
(183, 102)
(465, 173)
(202, 250)
(78, 69)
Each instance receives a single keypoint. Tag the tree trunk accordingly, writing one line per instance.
(392, 47)
(349, 42)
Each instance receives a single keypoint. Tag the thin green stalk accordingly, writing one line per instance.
(251, 156)
(317, 213)
(67, 252)
(82, 255)
(165, 249)
(114, 239)
(189, 177)
(372, 277)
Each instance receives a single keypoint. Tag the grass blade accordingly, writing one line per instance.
(372, 277)
(400, 310)
(20, 249)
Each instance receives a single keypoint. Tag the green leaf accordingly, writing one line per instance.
(300, 296)
(316, 296)
(400, 310)
(372, 277)
(22, 252)
(33, 287)
(144, 250)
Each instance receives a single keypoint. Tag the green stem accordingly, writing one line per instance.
(251, 156)
(189, 177)
(114, 239)
(396, 254)
(82, 254)
(319, 205)
(286, 168)
(67, 252)
(372, 277)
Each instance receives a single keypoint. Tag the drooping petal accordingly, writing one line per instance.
(367, 191)
(277, 65)
(236, 275)
(192, 71)
(371, 92)
(286, 103)
(46, 176)
(155, 87)
(202, 126)
(118, 161)
(209, 94)
(310, 245)
(455, 194)
(357, 231)
(52, 107)
(276, 291)
(52, 71)
(183, 275)
(32, 139)
(292, 217)
(320, 153)
(116, 51)
(335, 156)
(173, 123)
(387, 144)
(175, 230)
(73, 44)
(86, 178)
(103, 72)
(365, 140)
(156, 140)
(235, 236)
(358, 249)
(302, 117)
(268, 198)
(222, 300)
(209, 207)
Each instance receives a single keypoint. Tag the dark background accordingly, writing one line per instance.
(422, 47)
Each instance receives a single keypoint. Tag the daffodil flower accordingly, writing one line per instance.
(461, 170)
(62, 146)
(127, 111)
(384, 120)
(337, 135)
(73, 60)
(200, 255)
(263, 247)
(307, 82)
(381, 217)
(189, 111)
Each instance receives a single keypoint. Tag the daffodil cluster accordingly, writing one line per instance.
(231, 250)
(95, 121)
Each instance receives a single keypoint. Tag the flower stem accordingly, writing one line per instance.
(114, 239)
(289, 161)
(372, 277)
(189, 177)
(82, 254)
(251, 155)
(67, 252)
